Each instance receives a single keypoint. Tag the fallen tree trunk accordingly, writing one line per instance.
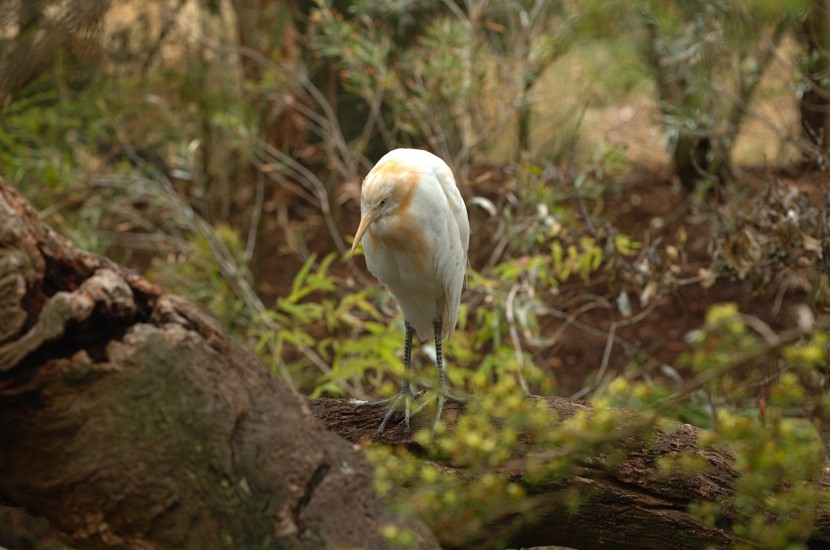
(629, 505)
(128, 419)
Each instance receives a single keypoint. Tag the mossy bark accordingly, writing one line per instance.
(128, 419)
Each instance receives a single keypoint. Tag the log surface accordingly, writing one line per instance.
(628, 505)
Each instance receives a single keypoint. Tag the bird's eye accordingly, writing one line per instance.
(382, 202)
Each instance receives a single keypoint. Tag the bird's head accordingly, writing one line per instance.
(385, 191)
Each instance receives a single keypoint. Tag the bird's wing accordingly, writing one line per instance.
(451, 260)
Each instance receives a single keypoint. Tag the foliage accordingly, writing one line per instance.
(707, 58)
(428, 70)
(778, 452)
(462, 505)
(786, 233)
(196, 274)
(319, 303)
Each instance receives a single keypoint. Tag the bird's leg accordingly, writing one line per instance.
(443, 395)
(407, 358)
(406, 390)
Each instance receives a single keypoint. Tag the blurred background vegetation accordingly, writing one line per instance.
(627, 166)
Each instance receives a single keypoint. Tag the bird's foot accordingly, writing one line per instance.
(406, 395)
(450, 398)
(443, 398)
(447, 398)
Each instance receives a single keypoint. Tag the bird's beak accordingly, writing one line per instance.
(366, 220)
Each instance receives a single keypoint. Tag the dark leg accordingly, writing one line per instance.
(407, 357)
(439, 362)
(406, 390)
(443, 394)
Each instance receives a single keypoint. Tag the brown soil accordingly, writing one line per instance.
(645, 205)
(649, 197)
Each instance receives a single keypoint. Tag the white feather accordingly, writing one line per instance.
(438, 212)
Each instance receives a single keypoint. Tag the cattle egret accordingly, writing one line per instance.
(415, 233)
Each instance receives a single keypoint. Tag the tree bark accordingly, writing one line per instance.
(28, 45)
(128, 419)
(631, 505)
(814, 103)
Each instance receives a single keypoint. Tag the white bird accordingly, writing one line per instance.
(415, 233)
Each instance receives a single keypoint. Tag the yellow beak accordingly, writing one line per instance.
(366, 220)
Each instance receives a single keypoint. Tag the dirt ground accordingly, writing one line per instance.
(645, 205)
(647, 209)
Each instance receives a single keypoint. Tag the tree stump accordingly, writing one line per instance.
(128, 419)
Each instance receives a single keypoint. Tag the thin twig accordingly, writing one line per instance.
(514, 336)
(168, 26)
(571, 176)
(606, 356)
(256, 216)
